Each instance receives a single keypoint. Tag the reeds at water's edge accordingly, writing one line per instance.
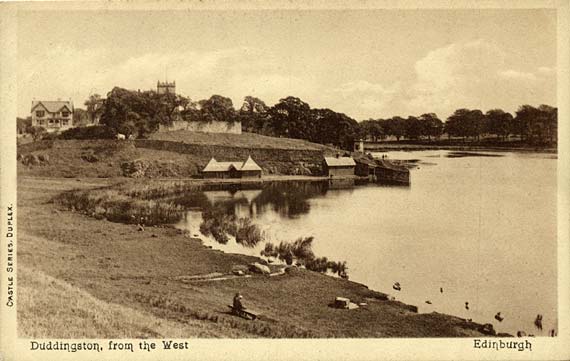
(116, 206)
(143, 203)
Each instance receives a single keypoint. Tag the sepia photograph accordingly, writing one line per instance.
(290, 171)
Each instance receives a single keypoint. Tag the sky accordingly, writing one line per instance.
(364, 63)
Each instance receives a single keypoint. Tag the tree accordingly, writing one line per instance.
(291, 117)
(23, 124)
(372, 129)
(80, 117)
(465, 123)
(132, 112)
(527, 119)
(334, 128)
(499, 123)
(94, 107)
(218, 108)
(254, 114)
(140, 113)
(549, 117)
(414, 128)
(395, 126)
(432, 125)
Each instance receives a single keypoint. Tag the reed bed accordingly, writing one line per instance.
(158, 189)
(116, 206)
(300, 251)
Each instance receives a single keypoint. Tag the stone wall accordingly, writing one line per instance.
(284, 161)
(204, 127)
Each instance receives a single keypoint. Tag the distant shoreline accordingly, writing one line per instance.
(413, 147)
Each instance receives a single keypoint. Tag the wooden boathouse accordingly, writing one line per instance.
(224, 170)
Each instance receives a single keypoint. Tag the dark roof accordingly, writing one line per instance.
(53, 106)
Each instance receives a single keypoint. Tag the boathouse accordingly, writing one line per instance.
(339, 166)
(223, 170)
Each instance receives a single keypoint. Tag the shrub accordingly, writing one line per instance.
(94, 132)
(37, 132)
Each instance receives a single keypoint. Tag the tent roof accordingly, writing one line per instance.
(250, 164)
(215, 166)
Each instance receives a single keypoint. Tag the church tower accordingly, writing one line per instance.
(165, 87)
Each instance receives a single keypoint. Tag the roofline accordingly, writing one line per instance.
(63, 101)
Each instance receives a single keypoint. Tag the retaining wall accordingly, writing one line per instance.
(204, 127)
(272, 160)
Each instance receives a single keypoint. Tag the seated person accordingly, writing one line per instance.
(237, 302)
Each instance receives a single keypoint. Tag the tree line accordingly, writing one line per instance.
(533, 125)
(140, 113)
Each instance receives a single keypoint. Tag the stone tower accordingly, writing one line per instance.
(165, 87)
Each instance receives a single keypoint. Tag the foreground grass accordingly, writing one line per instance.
(49, 307)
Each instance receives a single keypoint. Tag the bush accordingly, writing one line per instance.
(50, 136)
(94, 132)
(36, 132)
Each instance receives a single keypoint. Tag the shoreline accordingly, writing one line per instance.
(419, 147)
(78, 235)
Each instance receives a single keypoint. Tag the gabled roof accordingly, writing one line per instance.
(250, 164)
(53, 106)
(215, 166)
(340, 162)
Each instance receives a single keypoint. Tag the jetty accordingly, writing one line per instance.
(382, 170)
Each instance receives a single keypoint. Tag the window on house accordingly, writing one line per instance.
(64, 114)
(51, 121)
(40, 113)
(64, 122)
(41, 122)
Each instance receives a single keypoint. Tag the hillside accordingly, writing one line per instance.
(244, 140)
(179, 154)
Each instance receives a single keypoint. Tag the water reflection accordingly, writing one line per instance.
(288, 199)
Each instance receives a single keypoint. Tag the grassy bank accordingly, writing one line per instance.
(244, 140)
(147, 276)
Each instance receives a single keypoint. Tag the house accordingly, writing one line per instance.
(52, 115)
(339, 166)
(247, 169)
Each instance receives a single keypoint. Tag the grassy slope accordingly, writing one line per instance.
(116, 264)
(245, 140)
(49, 307)
(69, 163)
